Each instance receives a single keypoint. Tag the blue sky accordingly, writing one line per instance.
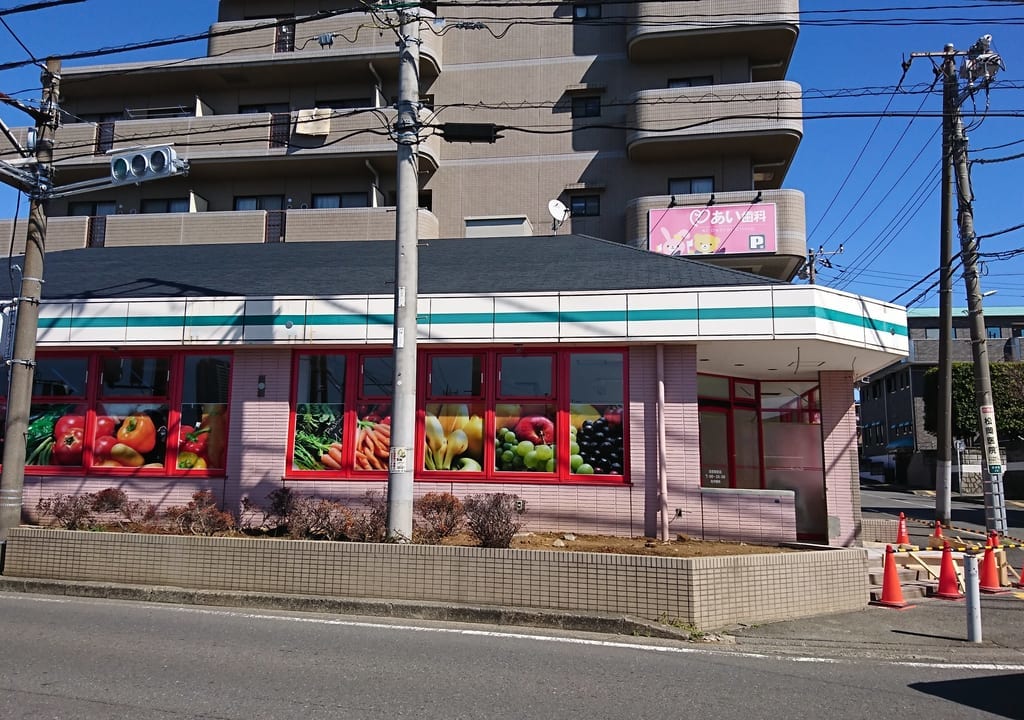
(871, 184)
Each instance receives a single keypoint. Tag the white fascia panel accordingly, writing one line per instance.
(273, 319)
(99, 322)
(525, 317)
(739, 313)
(155, 321)
(592, 316)
(336, 319)
(461, 318)
(220, 321)
(54, 323)
(664, 315)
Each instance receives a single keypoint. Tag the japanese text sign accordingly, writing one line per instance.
(713, 229)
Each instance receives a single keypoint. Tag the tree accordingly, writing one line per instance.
(1007, 393)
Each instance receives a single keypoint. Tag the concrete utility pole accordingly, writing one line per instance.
(23, 362)
(979, 69)
(944, 440)
(403, 409)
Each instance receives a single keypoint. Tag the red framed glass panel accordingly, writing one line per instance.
(453, 414)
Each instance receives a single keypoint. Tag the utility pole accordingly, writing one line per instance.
(23, 362)
(810, 272)
(403, 409)
(979, 69)
(944, 440)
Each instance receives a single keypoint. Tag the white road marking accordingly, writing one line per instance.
(468, 632)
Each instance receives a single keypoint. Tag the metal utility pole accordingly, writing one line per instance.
(944, 441)
(23, 362)
(978, 69)
(403, 409)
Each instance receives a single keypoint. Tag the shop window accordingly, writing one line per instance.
(453, 420)
(133, 399)
(203, 412)
(373, 413)
(317, 443)
(596, 397)
(525, 414)
(56, 423)
(128, 413)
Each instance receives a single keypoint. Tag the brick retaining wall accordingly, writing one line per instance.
(708, 593)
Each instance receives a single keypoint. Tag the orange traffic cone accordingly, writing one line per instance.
(902, 538)
(949, 588)
(988, 582)
(892, 593)
(936, 541)
(1020, 581)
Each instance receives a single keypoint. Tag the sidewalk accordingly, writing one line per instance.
(931, 630)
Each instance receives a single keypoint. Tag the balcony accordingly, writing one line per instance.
(255, 59)
(689, 30)
(759, 120)
(68, 233)
(790, 228)
(219, 144)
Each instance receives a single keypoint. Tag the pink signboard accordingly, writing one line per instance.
(713, 229)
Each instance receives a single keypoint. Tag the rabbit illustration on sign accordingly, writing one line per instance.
(677, 244)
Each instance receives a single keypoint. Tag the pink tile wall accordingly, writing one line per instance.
(839, 432)
(749, 516)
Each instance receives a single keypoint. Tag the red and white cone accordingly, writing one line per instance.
(949, 587)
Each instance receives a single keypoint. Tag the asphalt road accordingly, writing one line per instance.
(84, 659)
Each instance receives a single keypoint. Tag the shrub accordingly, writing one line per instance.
(72, 512)
(270, 519)
(319, 519)
(493, 519)
(201, 516)
(109, 500)
(442, 514)
(372, 524)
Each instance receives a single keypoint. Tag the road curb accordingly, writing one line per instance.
(478, 614)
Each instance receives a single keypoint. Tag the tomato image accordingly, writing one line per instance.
(68, 422)
(67, 450)
(101, 448)
(138, 432)
(105, 425)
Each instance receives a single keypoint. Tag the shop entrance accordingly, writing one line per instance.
(765, 435)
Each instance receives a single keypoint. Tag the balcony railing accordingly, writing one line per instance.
(236, 137)
(354, 37)
(762, 120)
(68, 233)
(765, 32)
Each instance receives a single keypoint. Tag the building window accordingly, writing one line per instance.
(165, 205)
(585, 205)
(84, 208)
(328, 201)
(691, 185)
(260, 108)
(695, 81)
(259, 202)
(994, 333)
(584, 106)
(586, 11)
(345, 103)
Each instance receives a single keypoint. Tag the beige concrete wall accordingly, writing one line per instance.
(709, 593)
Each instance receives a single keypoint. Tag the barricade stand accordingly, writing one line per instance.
(892, 592)
(949, 586)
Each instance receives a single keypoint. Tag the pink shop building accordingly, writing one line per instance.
(584, 376)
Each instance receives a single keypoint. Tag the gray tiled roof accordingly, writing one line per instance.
(463, 265)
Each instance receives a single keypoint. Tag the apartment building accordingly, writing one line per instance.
(632, 115)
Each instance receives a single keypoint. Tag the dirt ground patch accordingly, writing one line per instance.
(680, 547)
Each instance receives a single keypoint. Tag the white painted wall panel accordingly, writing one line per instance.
(592, 316)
